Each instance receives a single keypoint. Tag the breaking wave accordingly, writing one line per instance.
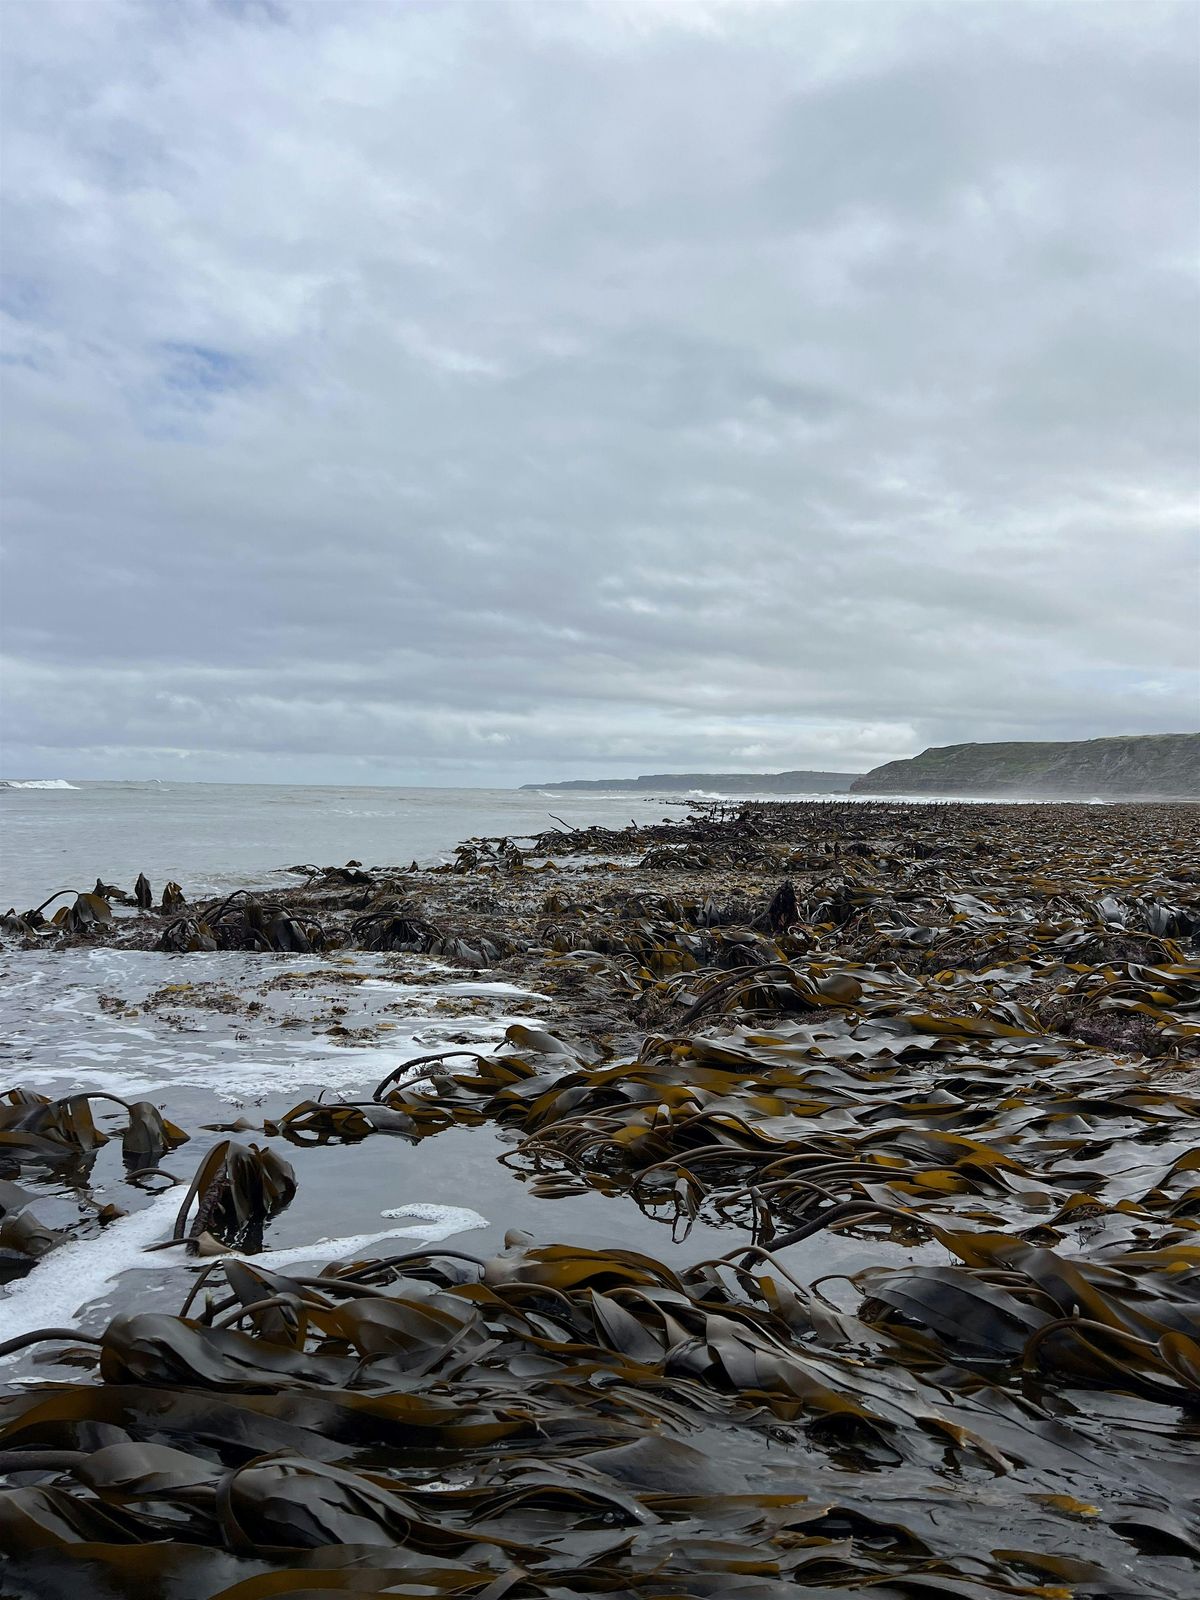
(36, 783)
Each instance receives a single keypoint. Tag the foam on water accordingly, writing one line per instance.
(188, 1030)
(468, 990)
(241, 1078)
(37, 783)
(62, 1030)
(70, 1279)
(435, 1224)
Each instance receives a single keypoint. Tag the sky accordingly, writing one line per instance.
(464, 393)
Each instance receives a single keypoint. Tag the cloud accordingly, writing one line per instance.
(480, 394)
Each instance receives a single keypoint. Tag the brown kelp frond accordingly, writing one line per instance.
(913, 1091)
(236, 1190)
(577, 1415)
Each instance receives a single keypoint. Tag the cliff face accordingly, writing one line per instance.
(1163, 765)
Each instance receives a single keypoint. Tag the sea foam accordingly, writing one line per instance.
(68, 1280)
(37, 783)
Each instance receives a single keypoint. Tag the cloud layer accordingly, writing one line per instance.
(476, 394)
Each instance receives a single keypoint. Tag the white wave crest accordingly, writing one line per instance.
(37, 783)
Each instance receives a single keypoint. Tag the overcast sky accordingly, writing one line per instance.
(464, 393)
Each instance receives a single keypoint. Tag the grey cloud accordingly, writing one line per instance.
(472, 394)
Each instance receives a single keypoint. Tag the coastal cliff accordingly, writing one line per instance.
(1165, 766)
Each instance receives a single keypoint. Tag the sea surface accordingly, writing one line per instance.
(213, 837)
(214, 1039)
(210, 837)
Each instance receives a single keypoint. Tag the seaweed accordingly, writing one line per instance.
(964, 1040)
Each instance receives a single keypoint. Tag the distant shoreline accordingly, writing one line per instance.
(1162, 767)
(727, 783)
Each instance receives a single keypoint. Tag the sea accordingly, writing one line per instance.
(220, 1042)
(213, 837)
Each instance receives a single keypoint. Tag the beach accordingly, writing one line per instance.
(742, 1196)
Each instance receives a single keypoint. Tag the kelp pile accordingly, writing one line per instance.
(557, 1421)
(931, 888)
(947, 1116)
(931, 1075)
(59, 1138)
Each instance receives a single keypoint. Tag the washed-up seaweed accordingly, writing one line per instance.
(590, 1421)
(967, 1038)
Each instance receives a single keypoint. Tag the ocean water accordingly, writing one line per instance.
(213, 837)
(222, 1039)
(210, 837)
(224, 1042)
(179, 1029)
(215, 1040)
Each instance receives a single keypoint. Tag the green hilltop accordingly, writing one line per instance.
(1137, 766)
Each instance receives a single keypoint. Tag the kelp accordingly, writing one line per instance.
(569, 1418)
(41, 1137)
(772, 1127)
(241, 921)
(397, 927)
(24, 1238)
(929, 1074)
(90, 912)
(931, 888)
(236, 1190)
(37, 1130)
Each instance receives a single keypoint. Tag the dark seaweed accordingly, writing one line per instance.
(973, 1031)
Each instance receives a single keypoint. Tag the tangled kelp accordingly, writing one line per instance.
(963, 1040)
(770, 1127)
(557, 1420)
(60, 1138)
(237, 1189)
